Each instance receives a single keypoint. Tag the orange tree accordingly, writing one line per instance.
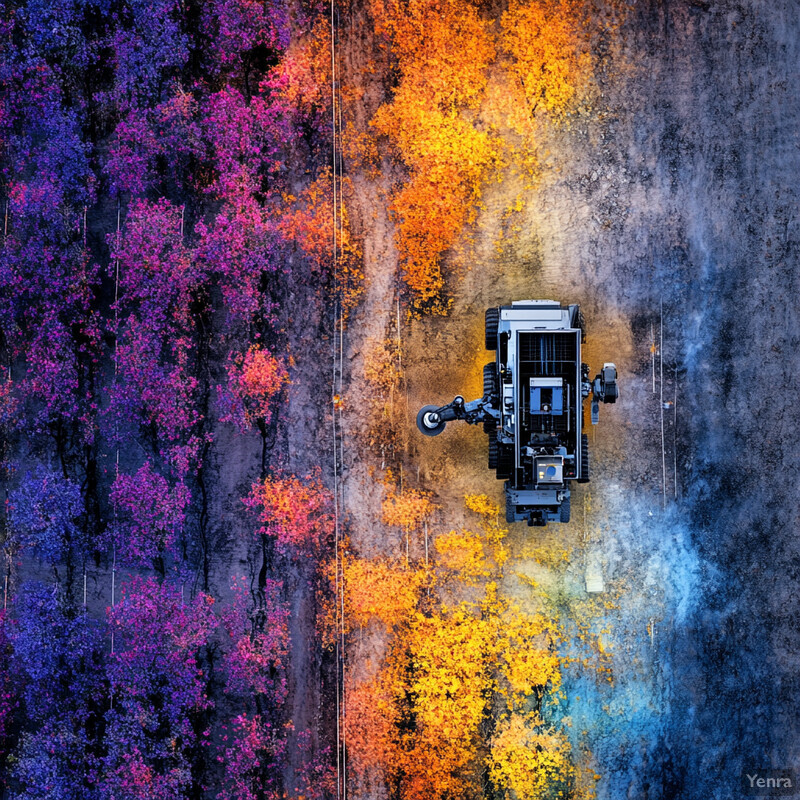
(443, 50)
(409, 509)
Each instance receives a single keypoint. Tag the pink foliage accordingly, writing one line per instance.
(133, 779)
(252, 759)
(316, 775)
(254, 381)
(256, 662)
(296, 512)
(159, 283)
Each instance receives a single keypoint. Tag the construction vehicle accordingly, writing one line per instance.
(532, 407)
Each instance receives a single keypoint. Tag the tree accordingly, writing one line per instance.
(295, 512)
(376, 590)
(443, 52)
(151, 515)
(256, 674)
(156, 727)
(44, 511)
(9, 698)
(255, 380)
(58, 658)
(530, 760)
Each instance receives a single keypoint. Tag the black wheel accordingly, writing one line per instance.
(510, 510)
(576, 320)
(426, 425)
(492, 451)
(505, 462)
(490, 379)
(584, 474)
(565, 509)
(492, 323)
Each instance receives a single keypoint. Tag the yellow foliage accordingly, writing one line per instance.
(529, 761)
(377, 590)
(462, 554)
(481, 504)
(408, 509)
(381, 365)
(450, 675)
(529, 661)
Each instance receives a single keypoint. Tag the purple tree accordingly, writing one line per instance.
(156, 727)
(161, 287)
(151, 515)
(43, 516)
(255, 672)
(58, 658)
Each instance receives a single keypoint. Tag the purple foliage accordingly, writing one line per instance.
(46, 292)
(59, 658)
(158, 687)
(151, 515)
(236, 27)
(206, 103)
(9, 695)
(150, 49)
(159, 283)
(147, 137)
(44, 513)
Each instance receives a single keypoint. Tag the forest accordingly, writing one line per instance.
(243, 241)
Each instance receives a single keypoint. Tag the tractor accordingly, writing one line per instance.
(532, 407)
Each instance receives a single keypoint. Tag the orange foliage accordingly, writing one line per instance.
(254, 380)
(308, 221)
(541, 36)
(297, 512)
(450, 668)
(370, 726)
(444, 53)
(377, 590)
(304, 74)
(443, 50)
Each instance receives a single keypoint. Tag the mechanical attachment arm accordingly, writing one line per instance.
(431, 420)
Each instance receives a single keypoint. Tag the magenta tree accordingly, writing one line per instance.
(255, 662)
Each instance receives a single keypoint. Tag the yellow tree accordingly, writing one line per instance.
(530, 761)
